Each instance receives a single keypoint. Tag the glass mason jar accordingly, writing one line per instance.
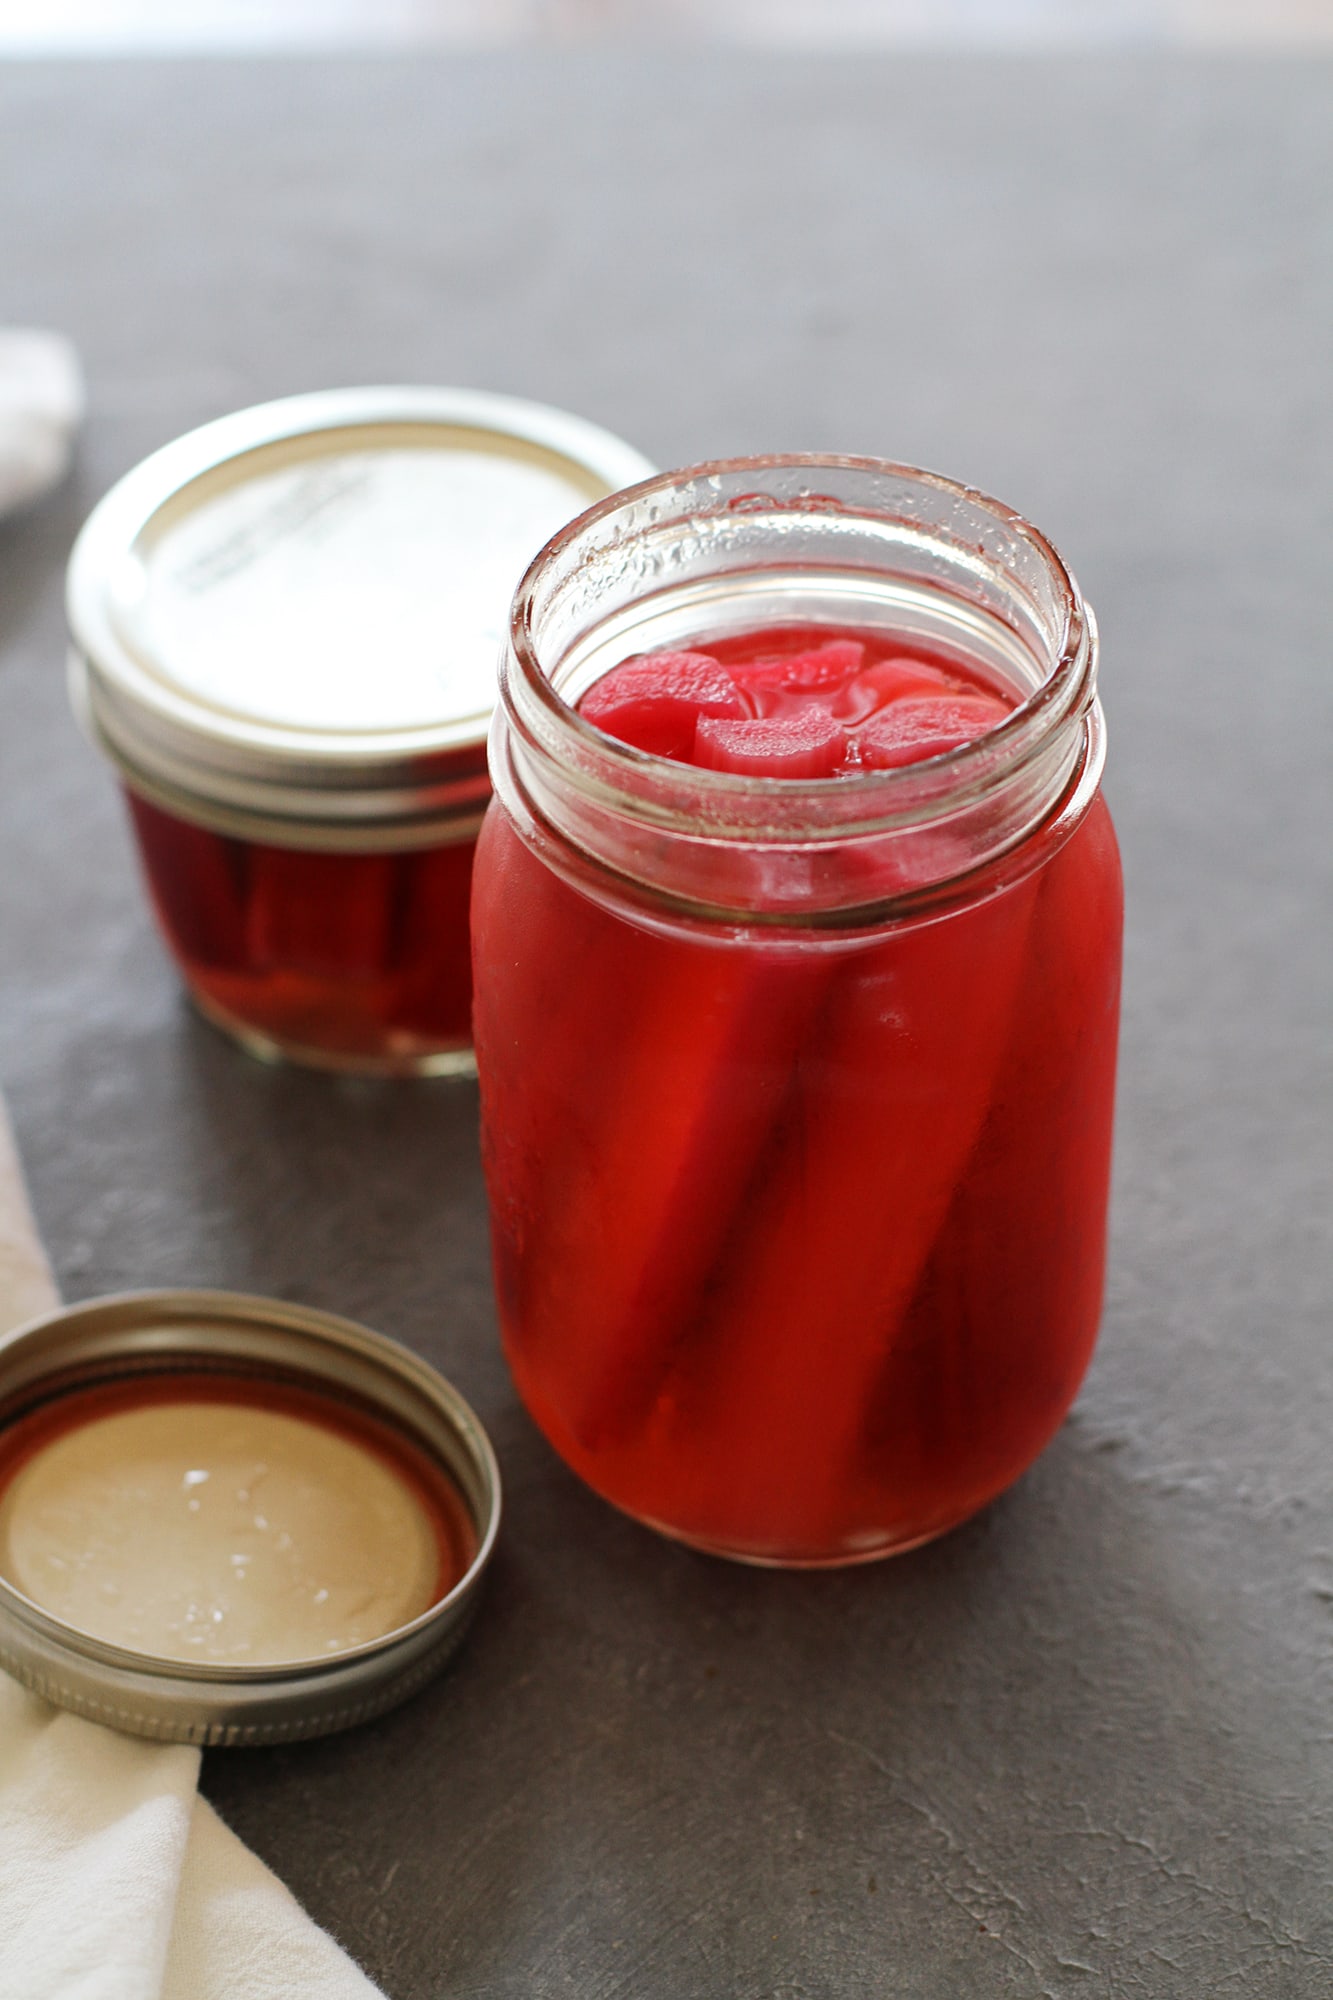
(797, 1094)
(284, 631)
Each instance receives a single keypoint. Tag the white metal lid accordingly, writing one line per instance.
(294, 614)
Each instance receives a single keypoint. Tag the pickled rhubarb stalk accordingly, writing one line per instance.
(357, 955)
(968, 1387)
(286, 926)
(560, 962)
(199, 885)
(634, 1172)
(882, 1117)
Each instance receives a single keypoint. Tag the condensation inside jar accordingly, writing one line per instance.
(225, 1521)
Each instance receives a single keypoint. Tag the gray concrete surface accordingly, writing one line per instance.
(1081, 1748)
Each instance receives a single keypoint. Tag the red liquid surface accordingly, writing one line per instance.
(355, 958)
(794, 703)
(799, 1241)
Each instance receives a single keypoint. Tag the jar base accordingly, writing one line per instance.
(852, 1558)
(275, 1049)
(853, 1550)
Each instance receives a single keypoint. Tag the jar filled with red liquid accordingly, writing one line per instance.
(796, 936)
(285, 630)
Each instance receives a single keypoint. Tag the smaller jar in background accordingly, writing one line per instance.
(285, 630)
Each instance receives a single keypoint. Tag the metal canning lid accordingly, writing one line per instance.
(187, 1351)
(286, 624)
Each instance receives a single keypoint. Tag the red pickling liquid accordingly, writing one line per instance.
(799, 1237)
(360, 958)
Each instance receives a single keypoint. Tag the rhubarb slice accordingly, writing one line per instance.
(810, 669)
(654, 702)
(888, 680)
(921, 726)
(809, 744)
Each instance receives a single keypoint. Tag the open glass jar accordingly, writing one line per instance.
(285, 627)
(797, 1093)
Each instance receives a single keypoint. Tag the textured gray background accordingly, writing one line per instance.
(1082, 1748)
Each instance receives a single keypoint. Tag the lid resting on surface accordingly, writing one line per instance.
(297, 611)
(227, 1519)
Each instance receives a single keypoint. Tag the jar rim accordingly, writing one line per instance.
(859, 801)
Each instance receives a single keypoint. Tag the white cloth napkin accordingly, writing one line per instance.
(41, 403)
(117, 1881)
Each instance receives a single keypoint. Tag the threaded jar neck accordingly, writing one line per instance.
(734, 546)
